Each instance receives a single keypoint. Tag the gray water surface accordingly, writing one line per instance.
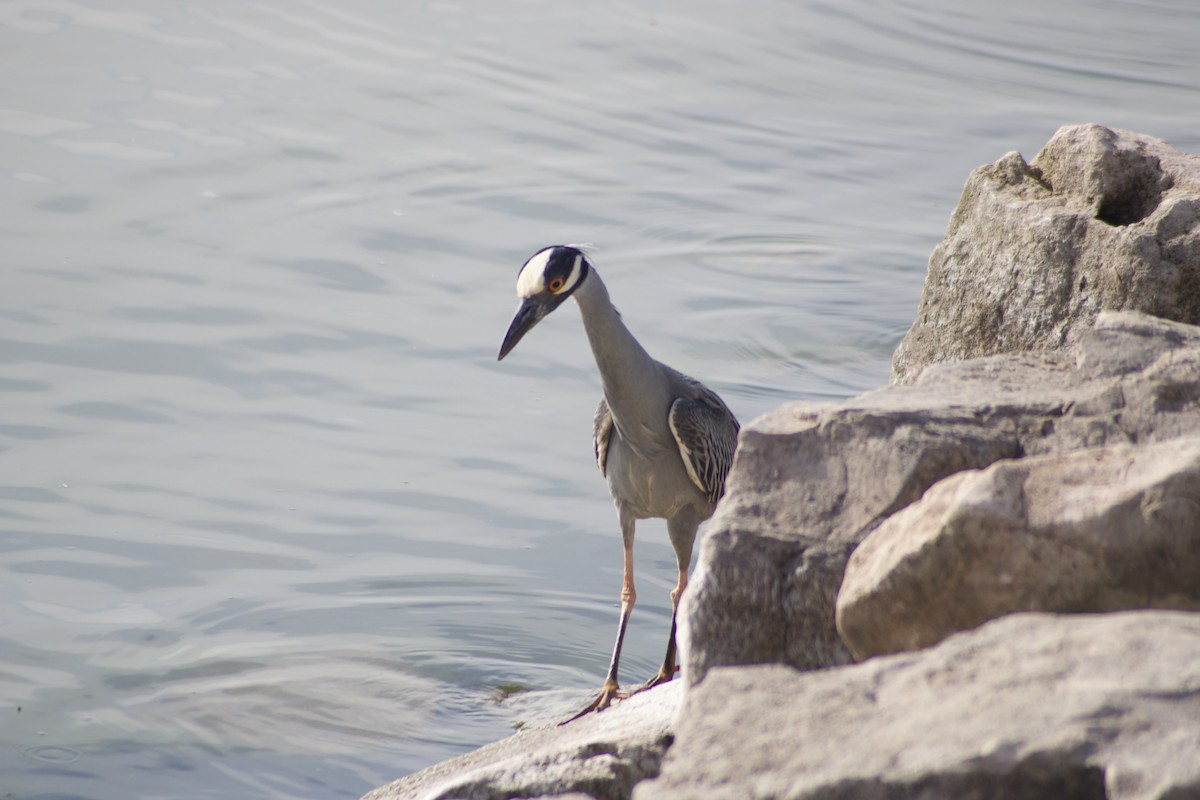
(273, 521)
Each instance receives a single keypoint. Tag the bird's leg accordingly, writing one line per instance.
(612, 689)
(682, 531)
(667, 671)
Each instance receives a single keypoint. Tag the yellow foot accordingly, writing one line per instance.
(662, 677)
(608, 693)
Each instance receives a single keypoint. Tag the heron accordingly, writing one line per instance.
(663, 441)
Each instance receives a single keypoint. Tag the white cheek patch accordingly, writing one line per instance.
(532, 278)
(573, 278)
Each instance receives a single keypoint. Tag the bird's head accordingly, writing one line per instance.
(548, 278)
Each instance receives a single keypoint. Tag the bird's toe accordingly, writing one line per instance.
(608, 693)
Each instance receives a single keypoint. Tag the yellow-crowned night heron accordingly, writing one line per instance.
(663, 441)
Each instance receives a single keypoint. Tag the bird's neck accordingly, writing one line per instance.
(630, 377)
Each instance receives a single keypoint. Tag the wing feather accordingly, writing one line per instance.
(706, 432)
(602, 428)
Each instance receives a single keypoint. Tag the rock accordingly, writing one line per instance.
(600, 756)
(1101, 529)
(810, 482)
(1101, 219)
(1029, 706)
(805, 487)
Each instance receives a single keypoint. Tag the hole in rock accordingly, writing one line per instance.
(1135, 198)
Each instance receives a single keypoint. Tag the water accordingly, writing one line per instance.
(273, 521)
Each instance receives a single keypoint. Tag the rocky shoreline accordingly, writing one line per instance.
(981, 581)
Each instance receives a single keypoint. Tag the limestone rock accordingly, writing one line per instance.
(805, 487)
(1027, 707)
(1101, 529)
(1101, 219)
(810, 482)
(600, 756)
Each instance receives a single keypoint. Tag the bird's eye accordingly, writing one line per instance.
(555, 285)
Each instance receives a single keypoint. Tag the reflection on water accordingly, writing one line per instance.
(273, 521)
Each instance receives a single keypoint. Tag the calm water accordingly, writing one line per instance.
(273, 521)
